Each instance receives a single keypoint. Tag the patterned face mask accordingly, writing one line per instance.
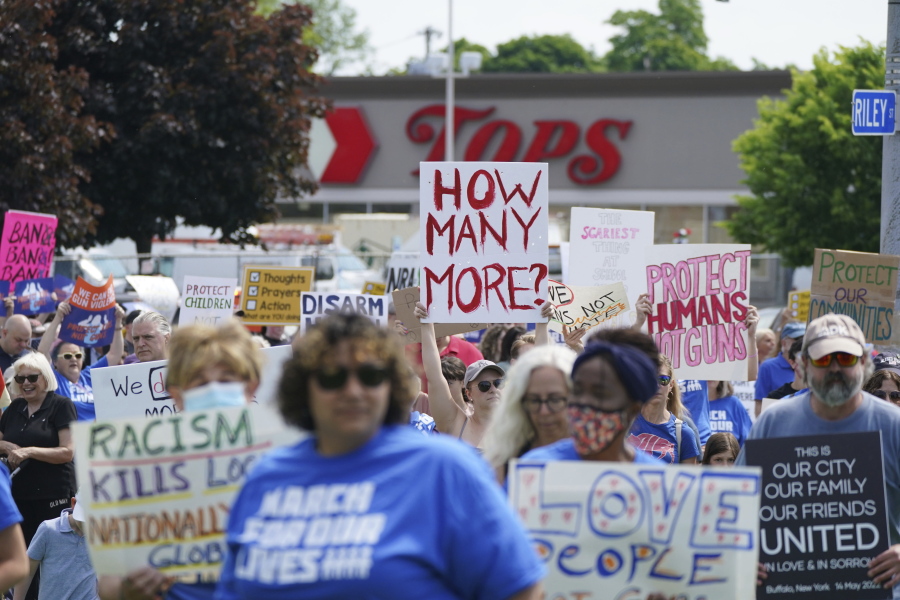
(593, 430)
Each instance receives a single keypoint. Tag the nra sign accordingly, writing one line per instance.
(350, 143)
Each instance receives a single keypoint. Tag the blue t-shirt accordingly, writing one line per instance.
(402, 517)
(83, 389)
(564, 449)
(66, 570)
(773, 373)
(661, 440)
(729, 415)
(695, 398)
(9, 513)
(192, 591)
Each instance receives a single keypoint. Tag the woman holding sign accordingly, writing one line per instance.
(367, 507)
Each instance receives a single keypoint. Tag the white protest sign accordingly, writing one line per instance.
(270, 378)
(315, 305)
(159, 292)
(607, 246)
(157, 492)
(700, 294)
(207, 300)
(622, 530)
(135, 390)
(580, 307)
(483, 241)
(402, 271)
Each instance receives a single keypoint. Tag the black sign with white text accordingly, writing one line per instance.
(822, 515)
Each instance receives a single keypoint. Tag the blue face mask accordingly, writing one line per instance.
(215, 394)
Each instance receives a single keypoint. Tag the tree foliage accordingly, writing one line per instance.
(813, 183)
(44, 126)
(210, 104)
(541, 54)
(673, 40)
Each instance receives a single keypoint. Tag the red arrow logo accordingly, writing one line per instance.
(355, 145)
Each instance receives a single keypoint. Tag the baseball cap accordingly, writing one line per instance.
(78, 511)
(887, 362)
(833, 333)
(475, 369)
(793, 330)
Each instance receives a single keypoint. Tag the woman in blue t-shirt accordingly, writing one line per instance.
(657, 430)
(366, 507)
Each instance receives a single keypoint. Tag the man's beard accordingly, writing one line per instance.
(837, 388)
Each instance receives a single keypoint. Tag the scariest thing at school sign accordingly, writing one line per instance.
(483, 241)
(700, 295)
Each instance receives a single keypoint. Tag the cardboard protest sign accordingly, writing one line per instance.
(27, 245)
(63, 287)
(157, 492)
(405, 303)
(607, 246)
(129, 391)
(402, 271)
(798, 302)
(271, 295)
(700, 294)
(159, 292)
(316, 305)
(34, 296)
(483, 241)
(823, 514)
(207, 300)
(580, 307)
(374, 288)
(92, 320)
(621, 530)
(857, 284)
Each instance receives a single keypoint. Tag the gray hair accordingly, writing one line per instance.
(38, 362)
(510, 428)
(161, 323)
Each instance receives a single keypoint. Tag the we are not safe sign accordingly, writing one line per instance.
(271, 295)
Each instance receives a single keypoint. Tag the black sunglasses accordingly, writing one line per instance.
(894, 396)
(485, 386)
(368, 374)
(20, 379)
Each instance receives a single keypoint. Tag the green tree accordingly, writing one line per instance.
(333, 32)
(812, 183)
(673, 40)
(541, 54)
(44, 126)
(463, 45)
(210, 104)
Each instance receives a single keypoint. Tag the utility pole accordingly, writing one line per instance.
(429, 32)
(890, 161)
(449, 126)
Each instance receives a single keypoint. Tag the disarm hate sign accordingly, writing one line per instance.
(483, 241)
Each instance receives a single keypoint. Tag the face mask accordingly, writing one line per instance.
(593, 430)
(215, 394)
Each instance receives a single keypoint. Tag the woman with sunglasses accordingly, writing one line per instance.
(884, 384)
(72, 378)
(35, 428)
(532, 411)
(342, 513)
(660, 428)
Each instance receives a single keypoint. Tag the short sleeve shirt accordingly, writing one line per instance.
(661, 440)
(9, 514)
(39, 479)
(83, 389)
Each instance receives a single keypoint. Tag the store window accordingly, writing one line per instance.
(671, 219)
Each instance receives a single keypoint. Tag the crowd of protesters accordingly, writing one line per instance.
(423, 433)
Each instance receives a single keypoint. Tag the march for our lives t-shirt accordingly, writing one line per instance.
(83, 389)
(660, 440)
(729, 415)
(695, 398)
(352, 526)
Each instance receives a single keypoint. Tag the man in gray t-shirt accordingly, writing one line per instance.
(59, 549)
(835, 366)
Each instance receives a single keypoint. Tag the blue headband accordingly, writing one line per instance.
(636, 371)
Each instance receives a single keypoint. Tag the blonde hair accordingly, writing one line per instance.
(511, 430)
(673, 401)
(195, 347)
(38, 362)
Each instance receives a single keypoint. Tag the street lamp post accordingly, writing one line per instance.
(449, 130)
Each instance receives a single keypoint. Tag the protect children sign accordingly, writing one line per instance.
(822, 516)
(92, 320)
(621, 530)
(483, 241)
(700, 294)
(207, 300)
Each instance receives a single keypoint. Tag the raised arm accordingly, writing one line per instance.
(541, 330)
(752, 320)
(52, 330)
(117, 347)
(642, 308)
(447, 415)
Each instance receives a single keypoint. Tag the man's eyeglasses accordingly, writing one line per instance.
(554, 404)
(844, 359)
(485, 386)
(894, 396)
(20, 379)
(70, 355)
(368, 374)
(665, 379)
